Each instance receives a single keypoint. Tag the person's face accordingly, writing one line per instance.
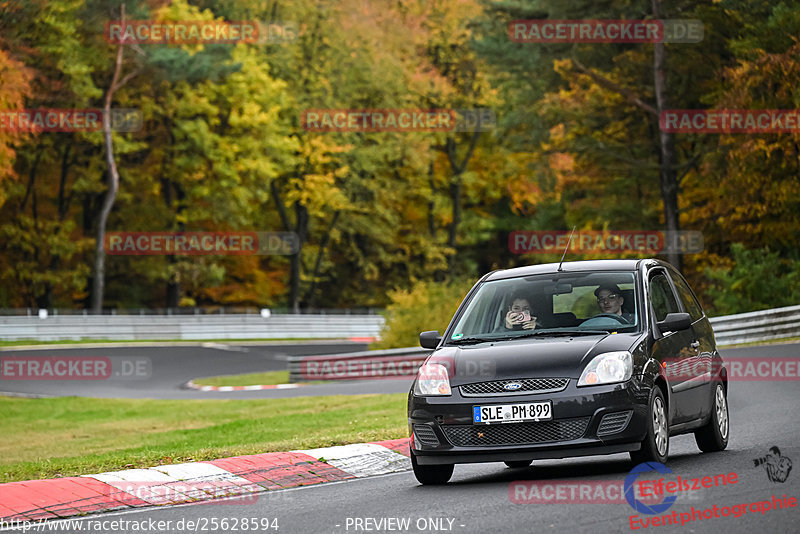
(609, 302)
(521, 305)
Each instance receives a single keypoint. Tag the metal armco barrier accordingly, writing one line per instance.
(764, 325)
(190, 327)
(371, 364)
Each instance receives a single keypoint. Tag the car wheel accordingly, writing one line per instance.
(431, 474)
(655, 446)
(518, 464)
(714, 436)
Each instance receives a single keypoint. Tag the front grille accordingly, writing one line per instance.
(516, 433)
(426, 435)
(614, 422)
(528, 385)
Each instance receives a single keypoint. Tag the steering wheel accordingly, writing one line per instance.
(619, 318)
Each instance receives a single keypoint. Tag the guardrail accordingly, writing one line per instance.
(189, 327)
(762, 325)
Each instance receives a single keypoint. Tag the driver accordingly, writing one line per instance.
(610, 300)
(519, 315)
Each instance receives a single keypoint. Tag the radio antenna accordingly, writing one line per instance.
(565, 250)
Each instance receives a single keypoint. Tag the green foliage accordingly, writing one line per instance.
(222, 147)
(757, 279)
(426, 306)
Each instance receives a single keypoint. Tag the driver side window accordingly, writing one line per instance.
(662, 298)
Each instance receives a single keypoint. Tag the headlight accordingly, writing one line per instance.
(432, 379)
(608, 368)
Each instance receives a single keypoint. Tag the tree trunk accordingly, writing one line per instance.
(431, 204)
(99, 275)
(311, 294)
(458, 169)
(669, 181)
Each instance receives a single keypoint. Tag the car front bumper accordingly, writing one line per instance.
(442, 430)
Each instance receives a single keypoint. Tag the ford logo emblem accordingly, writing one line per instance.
(512, 386)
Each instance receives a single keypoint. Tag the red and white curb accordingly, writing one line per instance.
(242, 476)
(191, 385)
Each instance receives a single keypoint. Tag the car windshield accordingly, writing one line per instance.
(550, 305)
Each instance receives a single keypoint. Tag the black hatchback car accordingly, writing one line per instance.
(577, 359)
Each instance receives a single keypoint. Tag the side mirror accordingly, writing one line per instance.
(431, 339)
(674, 322)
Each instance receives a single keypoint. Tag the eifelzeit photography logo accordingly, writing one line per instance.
(777, 467)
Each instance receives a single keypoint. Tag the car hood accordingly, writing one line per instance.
(554, 357)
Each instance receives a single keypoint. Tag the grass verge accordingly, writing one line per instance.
(68, 436)
(250, 379)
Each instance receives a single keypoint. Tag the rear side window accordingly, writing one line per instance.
(687, 297)
(661, 297)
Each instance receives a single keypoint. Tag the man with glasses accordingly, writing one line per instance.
(610, 300)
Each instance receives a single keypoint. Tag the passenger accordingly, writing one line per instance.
(610, 300)
(519, 315)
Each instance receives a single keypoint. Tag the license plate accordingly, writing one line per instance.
(512, 413)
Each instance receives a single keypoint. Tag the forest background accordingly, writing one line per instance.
(389, 217)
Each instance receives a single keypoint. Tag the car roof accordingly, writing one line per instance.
(572, 267)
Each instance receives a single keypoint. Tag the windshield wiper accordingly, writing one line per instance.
(563, 333)
(474, 340)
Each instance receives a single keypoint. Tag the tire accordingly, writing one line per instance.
(714, 436)
(655, 446)
(431, 475)
(518, 464)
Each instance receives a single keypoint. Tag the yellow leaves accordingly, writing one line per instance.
(15, 86)
(316, 192)
(563, 67)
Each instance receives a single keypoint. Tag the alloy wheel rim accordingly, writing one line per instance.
(660, 426)
(721, 406)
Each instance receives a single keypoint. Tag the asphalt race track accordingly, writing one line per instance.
(477, 500)
(165, 369)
